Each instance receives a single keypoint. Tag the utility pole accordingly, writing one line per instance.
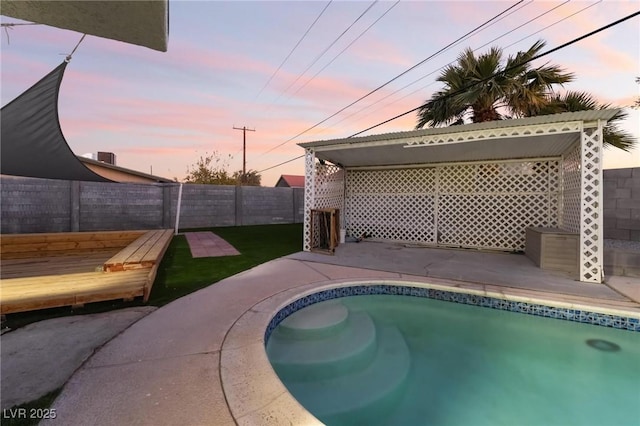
(244, 148)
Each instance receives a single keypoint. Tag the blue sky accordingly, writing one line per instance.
(162, 110)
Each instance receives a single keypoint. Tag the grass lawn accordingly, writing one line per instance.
(178, 275)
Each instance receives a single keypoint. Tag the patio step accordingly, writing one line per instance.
(349, 346)
(365, 394)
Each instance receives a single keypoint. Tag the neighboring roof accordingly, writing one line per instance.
(144, 23)
(124, 170)
(31, 140)
(470, 142)
(293, 181)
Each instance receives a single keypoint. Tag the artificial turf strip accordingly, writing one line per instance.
(180, 274)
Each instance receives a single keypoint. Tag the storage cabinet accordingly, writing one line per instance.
(553, 249)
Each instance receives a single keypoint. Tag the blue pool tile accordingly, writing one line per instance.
(632, 324)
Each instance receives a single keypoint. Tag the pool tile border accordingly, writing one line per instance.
(537, 309)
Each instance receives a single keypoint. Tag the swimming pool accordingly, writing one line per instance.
(385, 358)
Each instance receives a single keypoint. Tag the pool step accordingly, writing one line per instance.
(318, 320)
(296, 355)
(358, 394)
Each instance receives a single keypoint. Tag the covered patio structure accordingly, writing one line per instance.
(477, 186)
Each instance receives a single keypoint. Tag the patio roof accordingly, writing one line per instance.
(495, 140)
(145, 23)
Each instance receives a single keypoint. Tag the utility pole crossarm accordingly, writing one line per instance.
(244, 147)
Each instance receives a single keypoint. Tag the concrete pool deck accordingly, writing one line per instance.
(200, 359)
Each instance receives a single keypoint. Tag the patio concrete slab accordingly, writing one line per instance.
(170, 367)
(502, 269)
(40, 357)
(171, 391)
(198, 323)
(627, 286)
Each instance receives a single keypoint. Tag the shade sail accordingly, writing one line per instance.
(32, 143)
(144, 23)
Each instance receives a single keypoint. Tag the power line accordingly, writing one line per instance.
(475, 50)
(294, 48)
(326, 49)
(394, 78)
(348, 46)
(555, 23)
(433, 72)
(484, 80)
(619, 21)
(280, 164)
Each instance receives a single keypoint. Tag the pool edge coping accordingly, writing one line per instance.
(255, 395)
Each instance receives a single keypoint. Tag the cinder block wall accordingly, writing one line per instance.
(115, 206)
(34, 205)
(621, 196)
(29, 205)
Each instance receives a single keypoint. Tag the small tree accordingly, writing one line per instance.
(251, 178)
(210, 169)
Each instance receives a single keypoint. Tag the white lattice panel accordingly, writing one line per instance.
(395, 205)
(490, 205)
(510, 132)
(324, 188)
(309, 196)
(591, 245)
(495, 221)
(468, 205)
(570, 197)
(555, 188)
(329, 182)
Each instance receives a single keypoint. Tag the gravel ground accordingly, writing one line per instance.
(622, 244)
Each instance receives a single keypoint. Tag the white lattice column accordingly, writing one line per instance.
(309, 195)
(591, 244)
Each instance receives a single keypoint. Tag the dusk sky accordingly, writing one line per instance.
(163, 110)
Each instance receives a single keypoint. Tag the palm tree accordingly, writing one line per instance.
(581, 101)
(478, 87)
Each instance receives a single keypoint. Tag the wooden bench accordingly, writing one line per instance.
(144, 252)
(51, 291)
(20, 246)
(36, 268)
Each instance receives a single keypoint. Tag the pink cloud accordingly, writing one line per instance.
(188, 57)
(380, 50)
(161, 151)
(78, 81)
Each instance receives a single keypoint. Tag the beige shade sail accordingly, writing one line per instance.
(144, 23)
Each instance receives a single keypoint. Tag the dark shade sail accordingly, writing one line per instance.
(32, 143)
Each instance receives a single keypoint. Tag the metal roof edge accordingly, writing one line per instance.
(590, 115)
(158, 179)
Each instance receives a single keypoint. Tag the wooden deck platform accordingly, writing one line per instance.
(39, 271)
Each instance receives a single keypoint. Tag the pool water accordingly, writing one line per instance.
(399, 360)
